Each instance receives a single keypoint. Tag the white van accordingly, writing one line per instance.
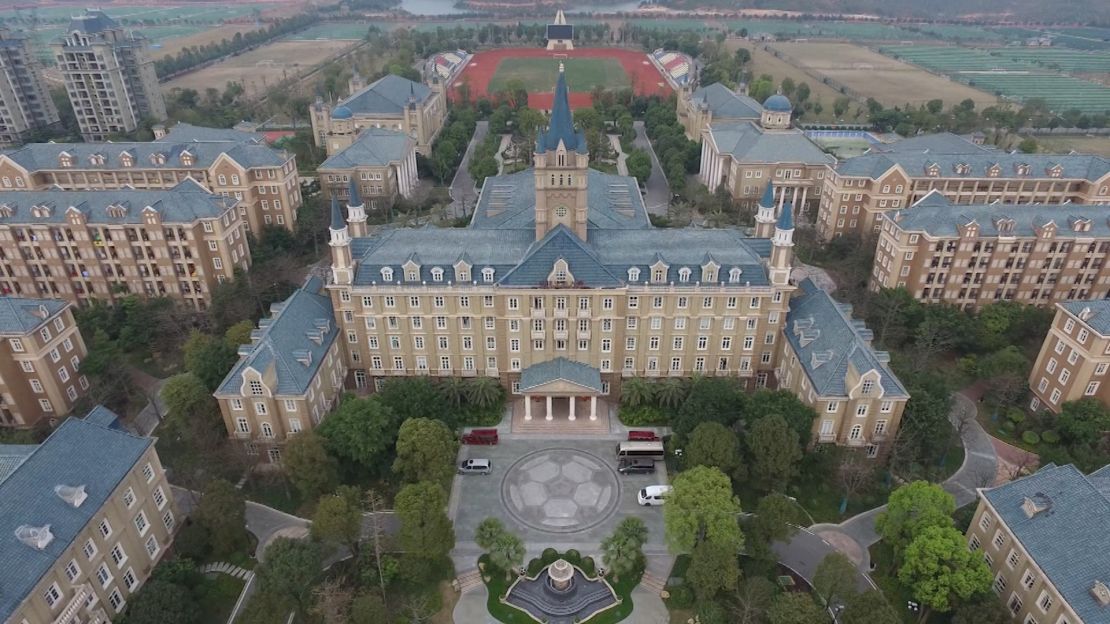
(649, 450)
(653, 495)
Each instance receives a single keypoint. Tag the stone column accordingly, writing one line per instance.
(799, 210)
(572, 400)
(527, 407)
(794, 200)
(549, 414)
(593, 408)
(782, 200)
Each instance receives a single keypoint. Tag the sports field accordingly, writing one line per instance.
(613, 68)
(540, 74)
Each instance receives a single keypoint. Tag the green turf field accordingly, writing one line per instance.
(538, 74)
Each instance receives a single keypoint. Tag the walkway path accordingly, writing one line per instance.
(657, 195)
(856, 534)
(463, 193)
(622, 158)
(227, 568)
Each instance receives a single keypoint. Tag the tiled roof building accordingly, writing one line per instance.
(378, 167)
(87, 515)
(714, 103)
(25, 103)
(1075, 356)
(1045, 538)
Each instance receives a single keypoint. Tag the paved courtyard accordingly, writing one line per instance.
(561, 494)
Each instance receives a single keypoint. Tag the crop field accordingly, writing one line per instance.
(540, 74)
(1062, 59)
(1008, 77)
(825, 30)
(261, 68)
(871, 74)
(214, 34)
(1082, 144)
(955, 32)
(205, 12)
(333, 31)
(763, 62)
(669, 24)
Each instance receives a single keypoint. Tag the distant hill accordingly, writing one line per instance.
(1086, 12)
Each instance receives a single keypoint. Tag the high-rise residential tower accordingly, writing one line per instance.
(25, 104)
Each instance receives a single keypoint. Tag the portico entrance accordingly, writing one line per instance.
(559, 392)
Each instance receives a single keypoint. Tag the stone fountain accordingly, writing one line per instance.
(561, 594)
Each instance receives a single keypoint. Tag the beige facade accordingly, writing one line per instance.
(974, 255)
(80, 246)
(379, 167)
(40, 357)
(1074, 358)
(25, 102)
(264, 182)
(109, 76)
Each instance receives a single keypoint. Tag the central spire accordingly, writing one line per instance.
(561, 127)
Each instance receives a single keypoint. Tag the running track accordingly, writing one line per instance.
(642, 74)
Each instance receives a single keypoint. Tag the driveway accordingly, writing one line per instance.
(657, 194)
(463, 194)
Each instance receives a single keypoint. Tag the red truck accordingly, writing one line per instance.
(480, 436)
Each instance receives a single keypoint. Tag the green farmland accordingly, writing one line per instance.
(338, 31)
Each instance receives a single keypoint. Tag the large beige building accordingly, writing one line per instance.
(83, 245)
(289, 376)
(1075, 356)
(40, 359)
(87, 515)
(1045, 539)
(860, 192)
(230, 163)
(747, 156)
(971, 255)
(378, 168)
(109, 76)
(391, 102)
(698, 108)
(25, 103)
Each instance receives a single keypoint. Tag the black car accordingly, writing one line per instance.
(636, 465)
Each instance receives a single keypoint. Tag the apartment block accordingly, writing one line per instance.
(290, 375)
(83, 245)
(263, 180)
(1045, 539)
(860, 192)
(109, 76)
(830, 365)
(41, 351)
(971, 255)
(88, 515)
(391, 102)
(378, 168)
(25, 103)
(1075, 356)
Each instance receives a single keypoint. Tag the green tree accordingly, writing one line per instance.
(940, 570)
(795, 608)
(713, 444)
(291, 568)
(338, 519)
(487, 532)
(416, 397)
(834, 581)
(797, 415)
(983, 608)
(308, 465)
(484, 392)
(1083, 421)
(192, 414)
(671, 392)
(208, 358)
(639, 165)
(426, 451)
(368, 608)
(238, 334)
(1028, 146)
(162, 602)
(506, 553)
(361, 431)
(426, 531)
(702, 508)
(636, 392)
(775, 519)
(712, 570)
(871, 607)
(774, 452)
(222, 513)
(911, 509)
(711, 399)
(622, 552)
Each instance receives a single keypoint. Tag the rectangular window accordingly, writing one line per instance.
(116, 600)
(119, 556)
(152, 546)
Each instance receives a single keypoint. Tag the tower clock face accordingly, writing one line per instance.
(561, 212)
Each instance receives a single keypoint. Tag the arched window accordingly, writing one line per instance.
(734, 275)
(387, 274)
(437, 274)
(633, 274)
(684, 274)
(487, 275)
(857, 431)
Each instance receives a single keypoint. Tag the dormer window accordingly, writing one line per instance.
(187, 159)
(96, 159)
(994, 171)
(117, 211)
(487, 275)
(633, 274)
(412, 275)
(963, 168)
(437, 274)
(41, 211)
(65, 160)
(734, 275)
(658, 275)
(387, 274)
(126, 160)
(684, 275)
(73, 496)
(933, 170)
(1055, 171)
(1022, 169)
(158, 159)
(5, 211)
(35, 537)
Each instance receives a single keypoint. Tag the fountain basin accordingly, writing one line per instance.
(561, 594)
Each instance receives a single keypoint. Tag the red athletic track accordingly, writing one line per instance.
(645, 79)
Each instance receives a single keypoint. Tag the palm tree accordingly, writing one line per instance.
(484, 391)
(454, 390)
(622, 552)
(506, 553)
(636, 392)
(672, 392)
(487, 532)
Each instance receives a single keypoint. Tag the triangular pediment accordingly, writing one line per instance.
(559, 244)
(560, 386)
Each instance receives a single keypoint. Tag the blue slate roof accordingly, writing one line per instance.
(337, 220)
(509, 201)
(12, 455)
(560, 129)
(786, 217)
(560, 369)
(374, 147)
(778, 103)
(1069, 540)
(827, 340)
(748, 142)
(388, 95)
(292, 329)
(78, 452)
(916, 163)
(184, 203)
(936, 215)
(768, 198)
(19, 315)
(726, 104)
(1097, 313)
(92, 21)
(188, 133)
(41, 156)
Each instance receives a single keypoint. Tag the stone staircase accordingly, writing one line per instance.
(468, 581)
(227, 568)
(653, 583)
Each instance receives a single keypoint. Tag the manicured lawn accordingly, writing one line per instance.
(216, 597)
(539, 74)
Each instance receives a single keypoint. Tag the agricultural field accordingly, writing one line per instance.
(170, 47)
(333, 31)
(871, 74)
(1083, 144)
(540, 74)
(668, 24)
(1009, 77)
(261, 68)
(825, 30)
(203, 12)
(1061, 59)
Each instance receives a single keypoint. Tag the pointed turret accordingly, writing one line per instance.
(786, 220)
(340, 244)
(765, 213)
(782, 247)
(561, 127)
(337, 221)
(356, 211)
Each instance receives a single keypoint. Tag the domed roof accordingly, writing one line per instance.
(778, 103)
(341, 112)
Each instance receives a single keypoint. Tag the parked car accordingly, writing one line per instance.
(636, 465)
(480, 436)
(476, 466)
(653, 495)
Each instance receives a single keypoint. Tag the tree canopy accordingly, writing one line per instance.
(702, 508)
(940, 570)
(426, 451)
(910, 510)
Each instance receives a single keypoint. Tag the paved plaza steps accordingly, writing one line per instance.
(227, 568)
(468, 580)
(653, 583)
